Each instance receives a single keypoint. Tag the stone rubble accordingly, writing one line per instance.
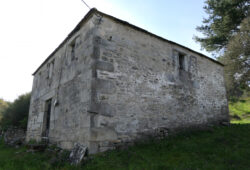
(77, 154)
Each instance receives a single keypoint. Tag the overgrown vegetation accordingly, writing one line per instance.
(16, 113)
(215, 148)
(240, 110)
(23, 159)
(3, 105)
(237, 61)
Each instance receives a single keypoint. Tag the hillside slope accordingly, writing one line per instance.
(215, 148)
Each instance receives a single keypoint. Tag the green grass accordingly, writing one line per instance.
(20, 159)
(240, 111)
(215, 148)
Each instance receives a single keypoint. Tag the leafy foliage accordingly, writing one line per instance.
(3, 106)
(227, 30)
(237, 61)
(16, 114)
(224, 18)
(240, 111)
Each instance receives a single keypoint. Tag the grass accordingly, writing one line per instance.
(18, 158)
(240, 111)
(215, 148)
(221, 148)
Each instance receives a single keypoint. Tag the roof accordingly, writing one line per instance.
(94, 10)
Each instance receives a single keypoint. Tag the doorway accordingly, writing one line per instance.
(46, 119)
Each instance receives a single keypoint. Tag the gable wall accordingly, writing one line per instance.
(69, 87)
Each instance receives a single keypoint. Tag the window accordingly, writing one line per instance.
(181, 61)
(72, 52)
(73, 46)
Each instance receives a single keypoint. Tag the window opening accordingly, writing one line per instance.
(73, 46)
(181, 61)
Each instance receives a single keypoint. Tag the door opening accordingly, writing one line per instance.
(46, 119)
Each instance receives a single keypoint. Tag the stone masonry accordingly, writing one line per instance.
(110, 82)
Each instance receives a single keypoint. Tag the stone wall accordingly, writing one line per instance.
(13, 136)
(66, 79)
(143, 90)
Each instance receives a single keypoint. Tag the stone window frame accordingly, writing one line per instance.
(183, 64)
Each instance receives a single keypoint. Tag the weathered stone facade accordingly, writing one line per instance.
(111, 82)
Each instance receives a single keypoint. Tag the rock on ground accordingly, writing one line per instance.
(77, 154)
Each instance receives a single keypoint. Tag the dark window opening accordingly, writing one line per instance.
(73, 46)
(181, 61)
(46, 119)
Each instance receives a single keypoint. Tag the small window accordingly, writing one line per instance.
(73, 46)
(72, 52)
(181, 61)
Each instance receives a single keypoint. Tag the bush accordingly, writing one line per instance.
(3, 106)
(16, 114)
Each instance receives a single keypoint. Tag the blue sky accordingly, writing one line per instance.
(175, 20)
(31, 29)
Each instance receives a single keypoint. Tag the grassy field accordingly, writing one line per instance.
(216, 148)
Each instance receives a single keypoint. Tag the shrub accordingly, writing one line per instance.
(3, 106)
(16, 114)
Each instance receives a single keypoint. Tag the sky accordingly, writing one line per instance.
(31, 29)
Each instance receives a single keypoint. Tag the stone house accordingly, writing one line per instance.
(111, 82)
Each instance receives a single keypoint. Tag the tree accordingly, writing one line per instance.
(3, 106)
(224, 18)
(16, 114)
(226, 30)
(237, 61)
